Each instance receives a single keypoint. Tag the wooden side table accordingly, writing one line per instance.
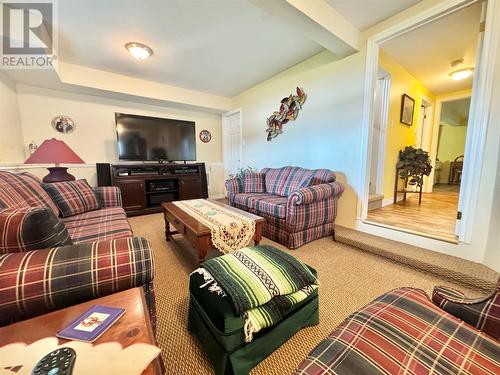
(133, 327)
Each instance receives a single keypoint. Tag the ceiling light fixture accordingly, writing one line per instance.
(138, 50)
(460, 74)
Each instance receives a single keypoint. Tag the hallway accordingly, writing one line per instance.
(435, 217)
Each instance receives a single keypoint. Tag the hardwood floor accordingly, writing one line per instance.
(435, 217)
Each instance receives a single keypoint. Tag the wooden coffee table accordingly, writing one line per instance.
(199, 234)
(133, 327)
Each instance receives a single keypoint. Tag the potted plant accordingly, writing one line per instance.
(413, 164)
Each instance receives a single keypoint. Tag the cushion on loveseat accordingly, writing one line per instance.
(262, 204)
(253, 182)
(275, 179)
(99, 225)
(72, 197)
(23, 190)
(298, 178)
(31, 228)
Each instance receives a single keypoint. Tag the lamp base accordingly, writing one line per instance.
(58, 174)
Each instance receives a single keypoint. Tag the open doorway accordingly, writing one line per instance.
(427, 113)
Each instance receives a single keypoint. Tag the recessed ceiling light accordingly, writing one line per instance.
(138, 50)
(460, 74)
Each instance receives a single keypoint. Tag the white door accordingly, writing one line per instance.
(232, 137)
(380, 108)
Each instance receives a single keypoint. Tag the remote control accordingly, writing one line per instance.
(57, 362)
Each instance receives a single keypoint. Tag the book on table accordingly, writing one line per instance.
(90, 325)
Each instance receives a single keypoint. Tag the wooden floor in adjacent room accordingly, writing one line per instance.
(435, 217)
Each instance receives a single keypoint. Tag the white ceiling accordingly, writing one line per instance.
(366, 13)
(221, 47)
(427, 51)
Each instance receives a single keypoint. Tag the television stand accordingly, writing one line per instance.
(145, 187)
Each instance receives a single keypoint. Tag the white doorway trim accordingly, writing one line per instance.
(480, 105)
(425, 133)
(384, 114)
(437, 120)
(225, 143)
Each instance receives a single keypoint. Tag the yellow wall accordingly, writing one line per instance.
(400, 135)
(451, 145)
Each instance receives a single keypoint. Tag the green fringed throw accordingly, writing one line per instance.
(262, 283)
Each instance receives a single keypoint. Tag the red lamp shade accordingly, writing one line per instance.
(54, 151)
(57, 152)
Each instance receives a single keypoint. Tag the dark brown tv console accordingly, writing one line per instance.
(145, 187)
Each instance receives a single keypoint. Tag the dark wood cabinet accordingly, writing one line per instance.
(190, 188)
(145, 187)
(133, 194)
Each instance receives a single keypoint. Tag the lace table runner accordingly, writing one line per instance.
(230, 231)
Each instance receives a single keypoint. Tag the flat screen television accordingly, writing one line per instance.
(142, 138)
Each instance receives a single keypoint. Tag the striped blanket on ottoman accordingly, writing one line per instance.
(403, 332)
(262, 283)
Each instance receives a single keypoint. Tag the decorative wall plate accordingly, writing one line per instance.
(63, 124)
(205, 136)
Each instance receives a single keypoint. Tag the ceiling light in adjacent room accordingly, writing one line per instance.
(460, 74)
(138, 50)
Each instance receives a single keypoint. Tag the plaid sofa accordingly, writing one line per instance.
(404, 332)
(85, 256)
(299, 205)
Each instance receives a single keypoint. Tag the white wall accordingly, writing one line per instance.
(327, 131)
(94, 139)
(11, 149)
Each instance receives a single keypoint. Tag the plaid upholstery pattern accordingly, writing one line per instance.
(297, 179)
(269, 205)
(108, 196)
(99, 225)
(307, 214)
(322, 176)
(23, 190)
(253, 182)
(72, 197)
(482, 313)
(233, 187)
(30, 228)
(403, 332)
(275, 179)
(262, 204)
(316, 192)
(40, 281)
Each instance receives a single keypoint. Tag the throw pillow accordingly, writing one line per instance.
(297, 179)
(253, 182)
(275, 179)
(31, 228)
(72, 197)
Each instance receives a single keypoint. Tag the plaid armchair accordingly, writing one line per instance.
(299, 205)
(402, 331)
(48, 263)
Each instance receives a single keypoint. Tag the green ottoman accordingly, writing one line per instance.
(220, 331)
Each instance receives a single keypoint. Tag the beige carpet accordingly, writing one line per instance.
(457, 270)
(350, 278)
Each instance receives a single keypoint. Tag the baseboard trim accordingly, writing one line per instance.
(390, 200)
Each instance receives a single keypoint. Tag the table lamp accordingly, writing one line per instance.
(54, 151)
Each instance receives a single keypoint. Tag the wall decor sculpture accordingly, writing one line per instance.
(289, 110)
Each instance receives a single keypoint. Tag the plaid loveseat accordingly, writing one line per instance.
(95, 255)
(403, 332)
(299, 205)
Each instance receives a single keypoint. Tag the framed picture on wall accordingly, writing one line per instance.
(407, 109)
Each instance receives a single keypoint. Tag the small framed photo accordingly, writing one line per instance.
(407, 109)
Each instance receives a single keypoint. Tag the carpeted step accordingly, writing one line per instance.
(472, 275)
